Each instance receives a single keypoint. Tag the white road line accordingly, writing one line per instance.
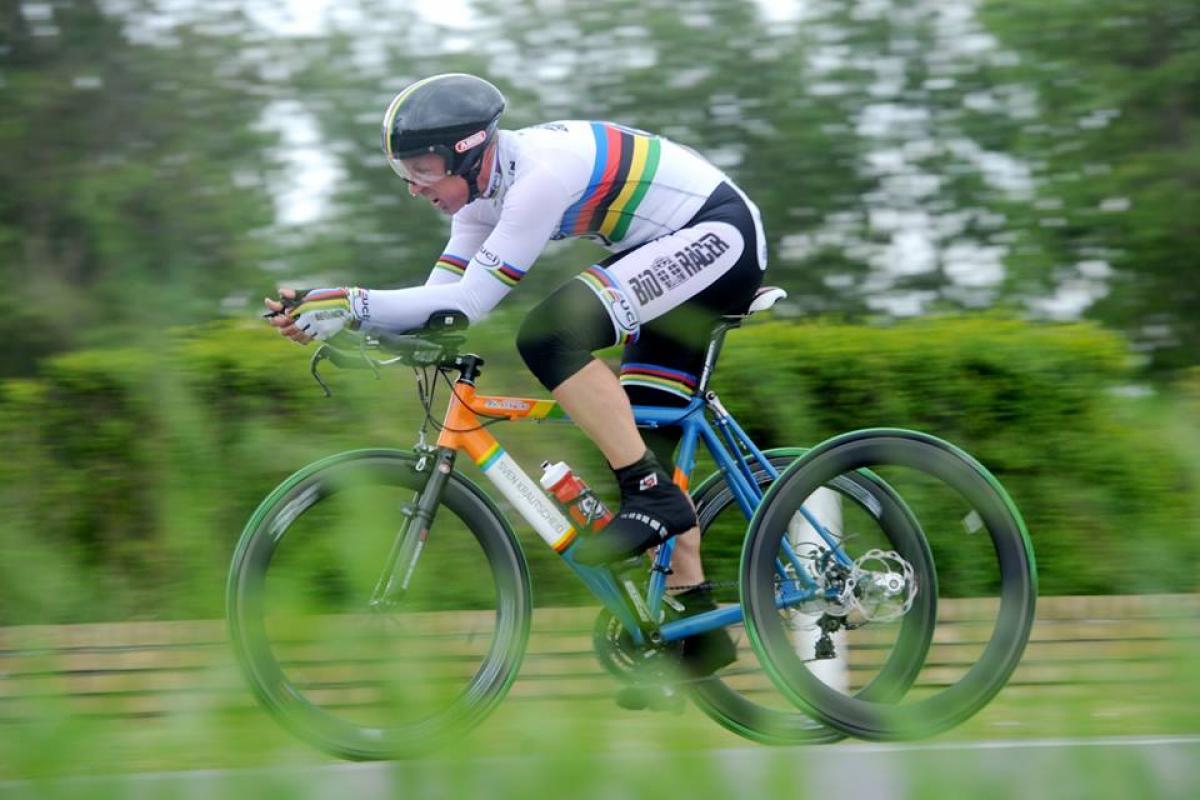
(1006, 744)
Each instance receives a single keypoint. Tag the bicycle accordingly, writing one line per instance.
(399, 706)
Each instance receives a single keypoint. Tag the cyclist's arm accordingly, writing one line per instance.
(531, 212)
(467, 234)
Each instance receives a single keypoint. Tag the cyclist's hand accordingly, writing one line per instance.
(306, 314)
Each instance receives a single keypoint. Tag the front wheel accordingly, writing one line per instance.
(986, 584)
(362, 673)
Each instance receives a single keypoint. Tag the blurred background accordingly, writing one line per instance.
(985, 214)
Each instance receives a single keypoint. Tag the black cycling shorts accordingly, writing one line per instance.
(682, 284)
(661, 300)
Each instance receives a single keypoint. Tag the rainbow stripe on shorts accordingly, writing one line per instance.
(650, 376)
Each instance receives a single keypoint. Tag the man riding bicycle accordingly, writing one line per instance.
(687, 247)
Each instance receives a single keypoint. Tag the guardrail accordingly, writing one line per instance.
(160, 668)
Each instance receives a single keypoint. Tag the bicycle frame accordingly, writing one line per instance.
(462, 431)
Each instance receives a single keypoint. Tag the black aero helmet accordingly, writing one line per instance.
(453, 115)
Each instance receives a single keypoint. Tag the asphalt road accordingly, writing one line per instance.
(1131, 767)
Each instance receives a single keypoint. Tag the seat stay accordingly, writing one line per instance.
(751, 448)
(744, 492)
(723, 420)
(735, 446)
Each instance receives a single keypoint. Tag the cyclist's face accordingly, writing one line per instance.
(426, 177)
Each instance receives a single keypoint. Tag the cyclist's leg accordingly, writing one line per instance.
(594, 400)
(661, 366)
(556, 340)
(660, 370)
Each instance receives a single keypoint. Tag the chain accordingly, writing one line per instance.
(710, 584)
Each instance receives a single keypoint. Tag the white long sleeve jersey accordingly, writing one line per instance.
(618, 186)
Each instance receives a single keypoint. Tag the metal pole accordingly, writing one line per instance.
(825, 505)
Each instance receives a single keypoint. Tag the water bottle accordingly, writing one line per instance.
(582, 505)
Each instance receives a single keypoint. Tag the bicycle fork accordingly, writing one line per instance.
(406, 549)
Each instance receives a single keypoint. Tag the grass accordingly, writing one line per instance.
(589, 749)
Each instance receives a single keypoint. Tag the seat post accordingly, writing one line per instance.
(764, 298)
(715, 343)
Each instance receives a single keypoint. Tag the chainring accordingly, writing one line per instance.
(627, 661)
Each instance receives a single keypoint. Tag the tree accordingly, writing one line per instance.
(1118, 159)
(134, 178)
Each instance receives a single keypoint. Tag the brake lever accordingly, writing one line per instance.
(314, 367)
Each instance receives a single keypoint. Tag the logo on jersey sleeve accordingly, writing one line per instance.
(487, 259)
(620, 311)
(508, 274)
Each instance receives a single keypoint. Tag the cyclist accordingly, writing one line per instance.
(687, 247)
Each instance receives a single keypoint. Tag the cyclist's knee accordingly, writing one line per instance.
(557, 338)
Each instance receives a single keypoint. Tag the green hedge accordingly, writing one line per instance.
(1104, 483)
(129, 473)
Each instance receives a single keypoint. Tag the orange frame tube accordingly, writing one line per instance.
(462, 430)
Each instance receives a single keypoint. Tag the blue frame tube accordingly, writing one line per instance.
(720, 440)
(603, 584)
(743, 467)
(745, 492)
(833, 544)
(658, 578)
(691, 420)
(695, 426)
(700, 623)
(749, 444)
(722, 617)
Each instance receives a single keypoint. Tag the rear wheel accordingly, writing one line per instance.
(986, 587)
(740, 697)
(366, 680)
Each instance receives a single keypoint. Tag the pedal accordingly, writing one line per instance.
(676, 606)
